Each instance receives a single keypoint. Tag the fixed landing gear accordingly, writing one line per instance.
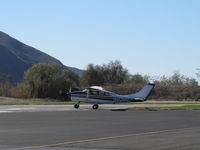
(76, 105)
(95, 106)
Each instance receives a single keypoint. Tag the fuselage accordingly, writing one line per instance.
(99, 98)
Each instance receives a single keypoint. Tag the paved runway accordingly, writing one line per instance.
(83, 107)
(103, 129)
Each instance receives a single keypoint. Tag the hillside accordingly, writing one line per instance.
(16, 57)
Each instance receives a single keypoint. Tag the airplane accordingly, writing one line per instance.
(98, 95)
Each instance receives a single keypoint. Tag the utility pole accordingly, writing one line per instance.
(198, 74)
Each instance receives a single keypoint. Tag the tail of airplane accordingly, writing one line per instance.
(143, 94)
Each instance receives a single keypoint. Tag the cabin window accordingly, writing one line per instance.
(98, 92)
(94, 92)
(106, 94)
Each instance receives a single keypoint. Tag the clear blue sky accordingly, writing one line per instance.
(154, 37)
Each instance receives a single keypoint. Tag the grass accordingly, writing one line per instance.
(168, 102)
(165, 102)
(171, 107)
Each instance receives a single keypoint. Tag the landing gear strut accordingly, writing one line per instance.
(95, 106)
(76, 105)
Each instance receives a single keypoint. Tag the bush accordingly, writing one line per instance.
(5, 85)
(46, 80)
(20, 91)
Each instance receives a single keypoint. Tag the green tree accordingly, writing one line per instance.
(92, 76)
(71, 78)
(48, 80)
(115, 73)
(111, 73)
(138, 79)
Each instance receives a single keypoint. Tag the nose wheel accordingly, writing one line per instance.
(95, 106)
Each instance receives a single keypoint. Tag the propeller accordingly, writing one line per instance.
(70, 89)
(69, 93)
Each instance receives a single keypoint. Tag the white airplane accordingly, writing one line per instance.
(98, 95)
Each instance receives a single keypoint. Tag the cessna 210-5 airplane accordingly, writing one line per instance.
(98, 95)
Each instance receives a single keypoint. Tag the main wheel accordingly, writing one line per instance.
(76, 106)
(95, 106)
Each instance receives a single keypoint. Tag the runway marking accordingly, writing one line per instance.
(103, 138)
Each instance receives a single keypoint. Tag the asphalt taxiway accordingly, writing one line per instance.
(87, 129)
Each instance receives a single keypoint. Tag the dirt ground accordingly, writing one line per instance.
(10, 99)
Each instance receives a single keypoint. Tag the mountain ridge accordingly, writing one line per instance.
(24, 56)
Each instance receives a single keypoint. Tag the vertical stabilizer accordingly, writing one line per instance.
(144, 93)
